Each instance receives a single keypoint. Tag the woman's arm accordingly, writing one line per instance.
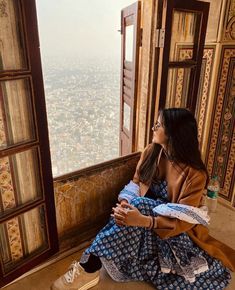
(130, 191)
(190, 195)
(128, 215)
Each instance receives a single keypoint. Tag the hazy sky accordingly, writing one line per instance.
(80, 28)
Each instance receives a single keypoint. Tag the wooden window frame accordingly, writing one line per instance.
(202, 8)
(129, 73)
(33, 72)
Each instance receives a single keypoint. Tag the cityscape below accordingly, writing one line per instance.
(83, 103)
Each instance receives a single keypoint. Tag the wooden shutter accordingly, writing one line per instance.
(28, 232)
(130, 43)
(184, 24)
(180, 36)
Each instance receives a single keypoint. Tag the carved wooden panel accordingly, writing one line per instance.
(204, 89)
(87, 199)
(221, 146)
(229, 29)
(177, 99)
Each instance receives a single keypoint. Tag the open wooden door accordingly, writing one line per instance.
(28, 232)
(180, 37)
(130, 43)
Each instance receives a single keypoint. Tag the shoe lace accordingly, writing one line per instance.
(72, 273)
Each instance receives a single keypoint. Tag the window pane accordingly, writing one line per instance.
(23, 237)
(16, 117)
(81, 54)
(19, 180)
(177, 87)
(129, 43)
(183, 31)
(11, 45)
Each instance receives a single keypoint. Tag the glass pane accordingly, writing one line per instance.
(19, 180)
(183, 31)
(11, 45)
(177, 87)
(129, 43)
(23, 237)
(16, 116)
(127, 116)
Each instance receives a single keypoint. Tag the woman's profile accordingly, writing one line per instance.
(158, 230)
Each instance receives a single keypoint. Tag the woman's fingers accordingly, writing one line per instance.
(119, 210)
(118, 221)
(119, 217)
(129, 206)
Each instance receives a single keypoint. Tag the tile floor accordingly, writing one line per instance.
(222, 227)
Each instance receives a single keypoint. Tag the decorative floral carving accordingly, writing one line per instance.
(3, 8)
(230, 26)
(14, 237)
(227, 116)
(220, 159)
(185, 52)
(221, 145)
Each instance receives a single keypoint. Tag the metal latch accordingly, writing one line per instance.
(160, 37)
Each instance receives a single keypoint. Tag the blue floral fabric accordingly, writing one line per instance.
(138, 254)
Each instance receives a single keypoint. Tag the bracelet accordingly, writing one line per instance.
(152, 223)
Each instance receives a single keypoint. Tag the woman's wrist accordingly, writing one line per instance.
(149, 222)
(146, 221)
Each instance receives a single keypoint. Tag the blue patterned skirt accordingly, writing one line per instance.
(138, 254)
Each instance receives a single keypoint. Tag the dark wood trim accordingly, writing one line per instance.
(21, 209)
(164, 74)
(34, 72)
(17, 148)
(9, 75)
(202, 36)
(41, 117)
(129, 16)
(121, 80)
(96, 167)
(137, 45)
(183, 64)
(156, 73)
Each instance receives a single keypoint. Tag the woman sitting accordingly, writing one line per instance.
(158, 231)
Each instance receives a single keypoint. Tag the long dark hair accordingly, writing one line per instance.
(181, 130)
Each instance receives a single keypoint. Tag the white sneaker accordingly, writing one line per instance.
(76, 279)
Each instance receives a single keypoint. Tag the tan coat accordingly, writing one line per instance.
(185, 185)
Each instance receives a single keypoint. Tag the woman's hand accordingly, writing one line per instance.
(123, 202)
(128, 215)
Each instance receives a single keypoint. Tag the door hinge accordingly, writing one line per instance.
(160, 37)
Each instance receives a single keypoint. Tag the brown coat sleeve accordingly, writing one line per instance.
(191, 194)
